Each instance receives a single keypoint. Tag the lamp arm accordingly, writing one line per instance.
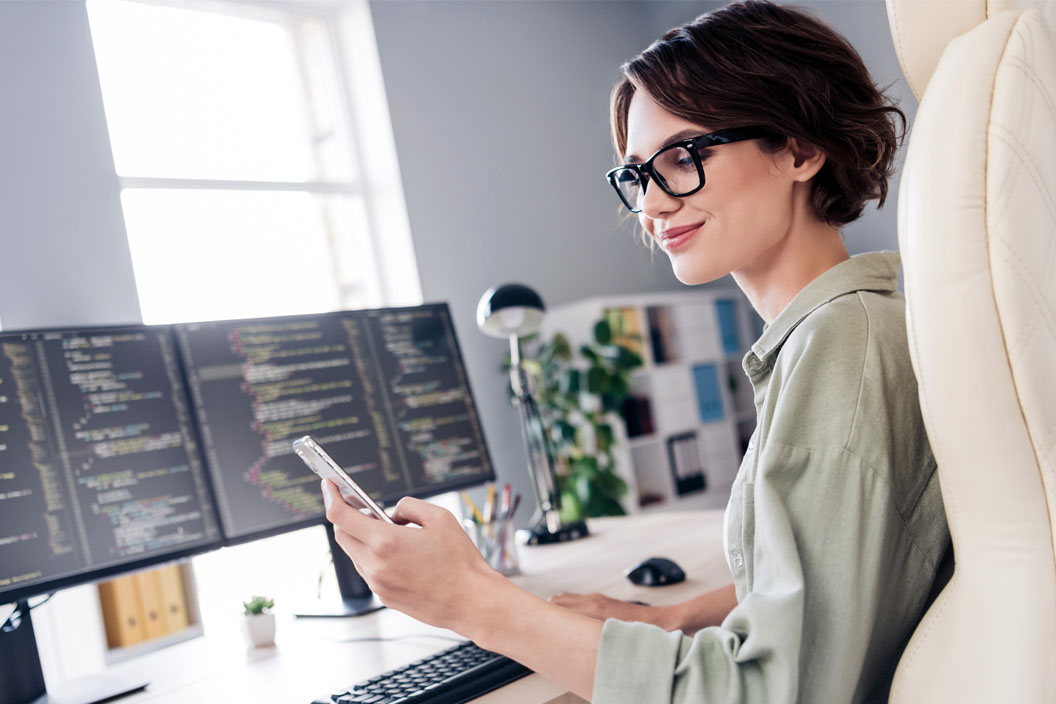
(544, 479)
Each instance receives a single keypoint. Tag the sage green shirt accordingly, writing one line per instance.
(835, 526)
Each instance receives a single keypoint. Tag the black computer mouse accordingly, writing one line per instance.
(655, 572)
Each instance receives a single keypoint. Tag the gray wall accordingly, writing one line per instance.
(500, 112)
(64, 257)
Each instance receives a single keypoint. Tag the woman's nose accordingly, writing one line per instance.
(655, 202)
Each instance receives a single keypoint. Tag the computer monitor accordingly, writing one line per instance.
(100, 471)
(384, 391)
(125, 447)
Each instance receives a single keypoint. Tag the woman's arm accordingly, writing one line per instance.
(709, 609)
(431, 571)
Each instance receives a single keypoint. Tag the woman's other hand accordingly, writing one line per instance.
(603, 607)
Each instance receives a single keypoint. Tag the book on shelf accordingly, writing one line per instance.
(662, 334)
(709, 395)
(637, 416)
(626, 328)
(726, 311)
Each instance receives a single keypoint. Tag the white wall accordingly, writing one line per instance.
(64, 257)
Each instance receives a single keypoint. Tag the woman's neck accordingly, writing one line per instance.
(772, 280)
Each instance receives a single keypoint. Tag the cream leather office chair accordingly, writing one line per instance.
(977, 231)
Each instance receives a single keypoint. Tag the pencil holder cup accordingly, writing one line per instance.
(495, 540)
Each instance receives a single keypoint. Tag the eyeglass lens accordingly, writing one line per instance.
(674, 166)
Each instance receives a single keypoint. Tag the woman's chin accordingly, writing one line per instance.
(695, 275)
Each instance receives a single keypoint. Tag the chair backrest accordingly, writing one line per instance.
(977, 232)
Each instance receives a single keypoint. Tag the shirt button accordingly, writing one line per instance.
(754, 363)
(738, 558)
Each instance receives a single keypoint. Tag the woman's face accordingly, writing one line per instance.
(735, 221)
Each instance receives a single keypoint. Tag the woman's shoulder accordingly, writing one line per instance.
(844, 328)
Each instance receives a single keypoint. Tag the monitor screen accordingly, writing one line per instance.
(99, 467)
(383, 391)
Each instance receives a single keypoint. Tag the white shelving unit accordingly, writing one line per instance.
(693, 411)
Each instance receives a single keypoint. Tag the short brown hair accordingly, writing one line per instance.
(754, 63)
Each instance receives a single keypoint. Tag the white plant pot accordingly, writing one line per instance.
(259, 629)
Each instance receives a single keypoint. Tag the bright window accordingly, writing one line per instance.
(233, 134)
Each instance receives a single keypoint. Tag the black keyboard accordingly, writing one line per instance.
(452, 676)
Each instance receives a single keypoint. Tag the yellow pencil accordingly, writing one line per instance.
(489, 505)
(473, 507)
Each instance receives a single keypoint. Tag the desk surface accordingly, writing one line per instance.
(314, 656)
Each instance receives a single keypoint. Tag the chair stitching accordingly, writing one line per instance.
(1031, 75)
(1002, 134)
(1041, 306)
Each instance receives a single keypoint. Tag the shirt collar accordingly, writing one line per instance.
(877, 271)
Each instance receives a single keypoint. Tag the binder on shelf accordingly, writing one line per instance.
(149, 586)
(122, 613)
(173, 599)
(687, 469)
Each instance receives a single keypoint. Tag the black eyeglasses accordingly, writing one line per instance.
(676, 168)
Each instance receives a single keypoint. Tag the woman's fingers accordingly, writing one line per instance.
(422, 513)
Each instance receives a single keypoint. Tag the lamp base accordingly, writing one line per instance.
(542, 535)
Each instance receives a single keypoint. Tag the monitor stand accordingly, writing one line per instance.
(356, 597)
(22, 679)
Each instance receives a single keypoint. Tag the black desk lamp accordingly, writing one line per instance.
(513, 311)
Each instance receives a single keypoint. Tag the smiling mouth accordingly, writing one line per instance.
(677, 231)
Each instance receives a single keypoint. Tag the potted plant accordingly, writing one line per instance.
(259, 621)
(579, 394)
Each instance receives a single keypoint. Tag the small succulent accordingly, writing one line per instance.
(258, 605)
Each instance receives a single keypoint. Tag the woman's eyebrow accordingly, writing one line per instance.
(677, 137)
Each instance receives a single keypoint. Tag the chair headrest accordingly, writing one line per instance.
(921, 29)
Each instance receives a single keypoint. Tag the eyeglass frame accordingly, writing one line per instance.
(693, 145)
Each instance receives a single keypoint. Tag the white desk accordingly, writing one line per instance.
(312, 657)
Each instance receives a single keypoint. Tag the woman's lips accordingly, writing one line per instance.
(677, 236)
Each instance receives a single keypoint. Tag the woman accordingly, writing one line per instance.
(749, 136)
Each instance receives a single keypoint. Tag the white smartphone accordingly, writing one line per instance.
(322, 464)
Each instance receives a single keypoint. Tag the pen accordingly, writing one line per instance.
(513, 508)
(504, 508)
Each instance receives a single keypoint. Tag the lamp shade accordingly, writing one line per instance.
(510, 309)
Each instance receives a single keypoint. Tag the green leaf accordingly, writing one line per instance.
(602, 332)
(611, 507)
(605, 437)
(570, 382)
(562, 348)
(596, 380)
(571, 508)
(588, 352)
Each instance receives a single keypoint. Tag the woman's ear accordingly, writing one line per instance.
(804, 160)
